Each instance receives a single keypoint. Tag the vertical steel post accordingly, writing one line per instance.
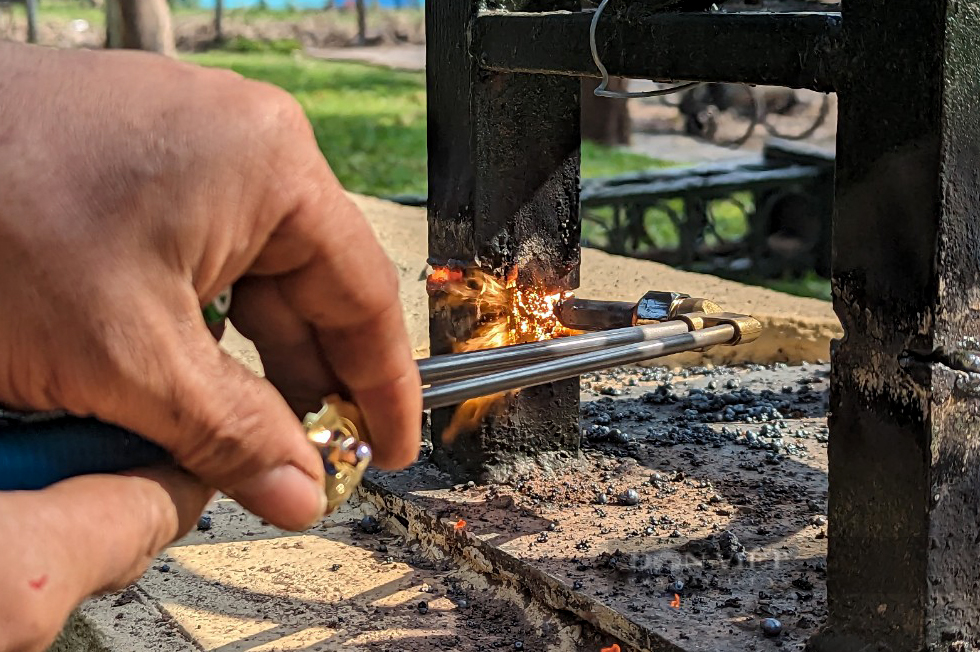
(503, 194)
(904, 558)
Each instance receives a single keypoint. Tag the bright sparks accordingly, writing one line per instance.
(506, 314)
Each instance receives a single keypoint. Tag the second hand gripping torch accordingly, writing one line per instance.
(40, 449)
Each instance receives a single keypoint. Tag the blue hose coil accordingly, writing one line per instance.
(35, 455)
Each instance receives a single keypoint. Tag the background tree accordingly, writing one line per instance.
(605, 120)
(361, 22)
(31, 7)
(140, 25)
(219, 12)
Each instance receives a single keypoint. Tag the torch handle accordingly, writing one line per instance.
(37, 454)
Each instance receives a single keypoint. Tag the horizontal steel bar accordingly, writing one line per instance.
(568, 367)
(698, 185)
(798, 50)
(457, 366)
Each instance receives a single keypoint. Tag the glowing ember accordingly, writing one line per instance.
(676, 602)
(506, 314)
(612, 648)
(460, 524)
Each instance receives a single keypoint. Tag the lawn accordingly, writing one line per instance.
(371, 124)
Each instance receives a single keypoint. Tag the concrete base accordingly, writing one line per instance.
(539, 560)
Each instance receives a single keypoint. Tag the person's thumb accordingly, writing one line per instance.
(221, 422)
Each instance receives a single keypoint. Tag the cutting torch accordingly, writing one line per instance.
(40, 449)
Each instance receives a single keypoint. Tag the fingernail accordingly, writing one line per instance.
(285, 496)
(324, 505)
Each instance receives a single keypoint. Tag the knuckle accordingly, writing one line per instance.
(223, 443)
(274, 110)
(159, 520)
(380, 295)
(363, 303)
(398, 456)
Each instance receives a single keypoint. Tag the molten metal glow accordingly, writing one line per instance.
(676, 602)
(506, 314)
(460, 524)
(612, 648)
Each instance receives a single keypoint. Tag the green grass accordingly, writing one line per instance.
(242, 44)
(810, 285)
(57, 10)
(600, 161)
(370, 122)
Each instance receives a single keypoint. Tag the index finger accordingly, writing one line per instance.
(347, 289)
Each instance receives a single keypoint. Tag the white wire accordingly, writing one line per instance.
(602, 91)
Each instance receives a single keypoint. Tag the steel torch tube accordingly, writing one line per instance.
(568, 367)
(457, 366)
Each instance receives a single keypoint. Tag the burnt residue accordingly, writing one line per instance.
(521, 427)
(527, 216)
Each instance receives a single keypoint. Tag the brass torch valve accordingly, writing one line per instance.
(337, 431)
(654, 307)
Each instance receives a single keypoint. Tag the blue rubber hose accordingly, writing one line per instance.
(36, 452)
(35, 455)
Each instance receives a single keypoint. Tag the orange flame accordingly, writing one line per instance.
(676, 602)
(505, 313)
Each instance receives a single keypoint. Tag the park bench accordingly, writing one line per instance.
(785, 196)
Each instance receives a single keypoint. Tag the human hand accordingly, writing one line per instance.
(81, 537)
(137, 188)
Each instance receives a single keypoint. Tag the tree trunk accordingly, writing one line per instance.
(219, 12)
(31, 6)
(605, 120)
(140, 25)
(361, 22)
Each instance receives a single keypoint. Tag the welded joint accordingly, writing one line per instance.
(963, 362)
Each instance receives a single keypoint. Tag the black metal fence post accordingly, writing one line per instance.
(503, 193)
(904, 563)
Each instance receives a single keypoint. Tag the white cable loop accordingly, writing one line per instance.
(602, 91)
